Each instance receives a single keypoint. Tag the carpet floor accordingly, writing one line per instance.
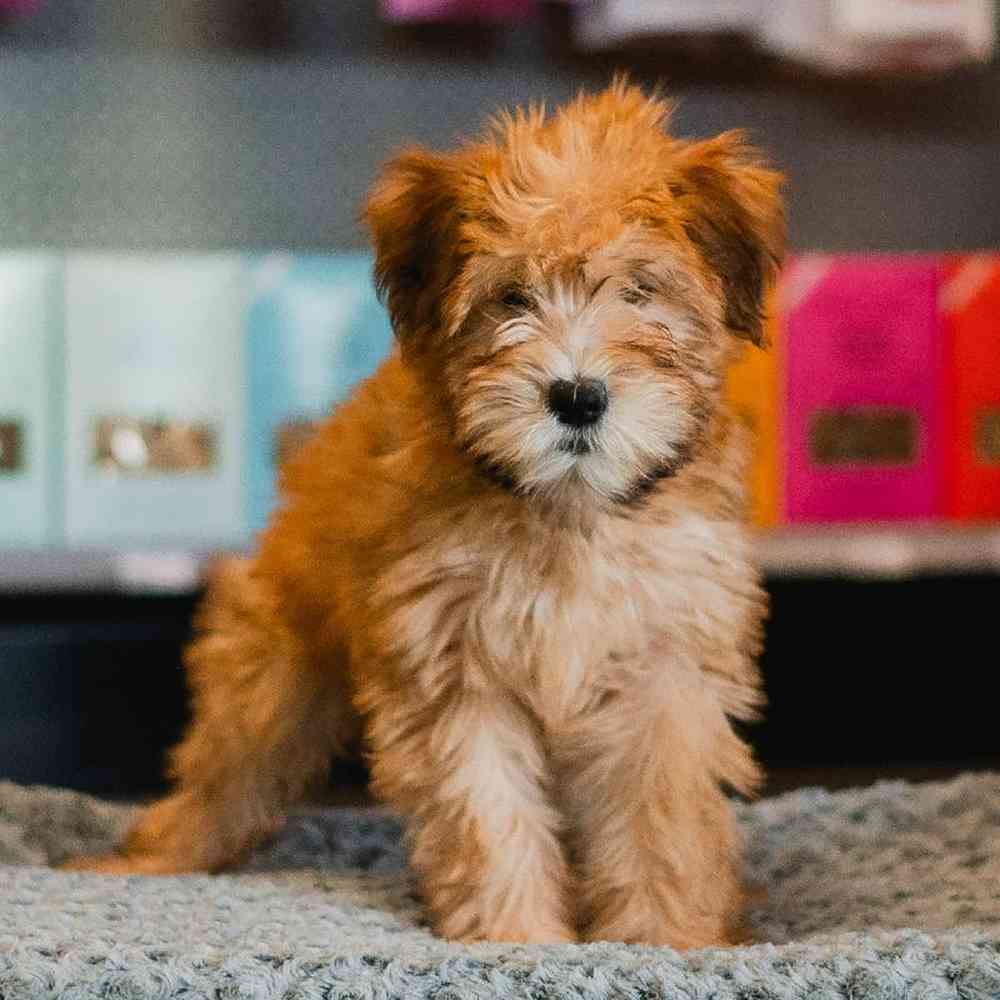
(892, 891)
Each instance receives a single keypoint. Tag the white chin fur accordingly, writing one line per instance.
(638, 435)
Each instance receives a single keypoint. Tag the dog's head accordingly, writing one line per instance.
(574, 286)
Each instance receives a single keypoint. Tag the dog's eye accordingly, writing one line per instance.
(515, 298)
(637, 292)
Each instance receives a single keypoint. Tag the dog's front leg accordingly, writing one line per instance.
(653, 832)
(466, 770)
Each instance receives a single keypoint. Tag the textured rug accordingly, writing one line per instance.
(887, 892)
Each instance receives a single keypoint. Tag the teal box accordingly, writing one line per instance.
(156, 403)
(29, 435)
(315, 328)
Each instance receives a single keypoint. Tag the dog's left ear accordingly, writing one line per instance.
(734, 214)
(412, 215)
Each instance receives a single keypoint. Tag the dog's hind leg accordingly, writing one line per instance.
(267, 719)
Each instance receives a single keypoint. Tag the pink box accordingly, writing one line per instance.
(19, 6)
(491, 11)
(864, 416)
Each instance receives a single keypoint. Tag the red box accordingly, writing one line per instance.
(970, 307)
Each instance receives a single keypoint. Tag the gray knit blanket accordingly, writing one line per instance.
(888, 892)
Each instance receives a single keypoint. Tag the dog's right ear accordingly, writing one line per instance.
(734, 215)
(412, 215)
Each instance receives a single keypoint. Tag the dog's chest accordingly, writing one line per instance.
(565, 620)
(558, 619)
(551, 619)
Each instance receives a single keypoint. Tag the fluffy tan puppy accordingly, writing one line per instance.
(514, 563)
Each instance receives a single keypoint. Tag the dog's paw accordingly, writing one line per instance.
(122, 864)
(515, 932)
(535, 935)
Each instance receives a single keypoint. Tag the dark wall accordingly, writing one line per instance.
(197, 124)
(94, 693)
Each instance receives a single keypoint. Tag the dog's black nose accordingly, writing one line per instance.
(580, 403)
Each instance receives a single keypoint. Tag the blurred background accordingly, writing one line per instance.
(184, 289)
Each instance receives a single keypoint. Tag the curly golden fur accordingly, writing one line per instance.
(539, 620)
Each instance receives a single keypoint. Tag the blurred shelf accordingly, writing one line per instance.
(883, 552)
(167, 572)
(829, 551)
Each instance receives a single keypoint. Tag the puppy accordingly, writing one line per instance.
(514, 563)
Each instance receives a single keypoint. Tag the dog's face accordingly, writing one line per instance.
(574, 287)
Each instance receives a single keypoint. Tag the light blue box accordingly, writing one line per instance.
(156, 403)
(315, 329)
(29, 435)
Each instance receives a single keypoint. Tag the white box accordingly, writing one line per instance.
(29, 432)
(155, 400)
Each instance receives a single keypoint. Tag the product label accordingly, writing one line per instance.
(864, 436)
